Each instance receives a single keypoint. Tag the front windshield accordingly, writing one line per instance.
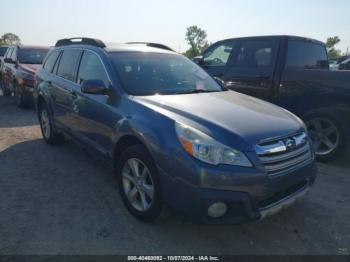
(143, 73)
(32, 56)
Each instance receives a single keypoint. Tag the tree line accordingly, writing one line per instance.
(196, 39)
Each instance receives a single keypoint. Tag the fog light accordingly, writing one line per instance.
(217, 209)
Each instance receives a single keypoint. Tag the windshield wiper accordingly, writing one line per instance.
(196, 91)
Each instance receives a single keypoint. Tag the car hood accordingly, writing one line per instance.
(227, 115)
(30, 67)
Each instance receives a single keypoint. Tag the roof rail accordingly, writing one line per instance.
(156, 45)
(80, 41)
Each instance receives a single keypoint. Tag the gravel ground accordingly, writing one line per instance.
(62, 200)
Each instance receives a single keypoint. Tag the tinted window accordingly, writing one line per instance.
(67, 64)
(31, 56)
(218, 55)
(91, 67)
(2, 50)
(50, 61)
(152, 73)
(255, 53)
(306, 55)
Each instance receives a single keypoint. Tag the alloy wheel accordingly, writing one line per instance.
(45, 124)
(137, 184)
(324, 135)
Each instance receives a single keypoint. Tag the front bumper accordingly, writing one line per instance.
(251, 198)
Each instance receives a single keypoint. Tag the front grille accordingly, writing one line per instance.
(285, 154)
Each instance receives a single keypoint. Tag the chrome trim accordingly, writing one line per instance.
(291, 163)
(281, 157)
(283, 203)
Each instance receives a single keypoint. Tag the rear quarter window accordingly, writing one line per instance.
(306, 55)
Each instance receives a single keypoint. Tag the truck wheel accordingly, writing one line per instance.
(327, 133)
(138, 183)
(48, 131)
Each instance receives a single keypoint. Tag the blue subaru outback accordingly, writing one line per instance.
(174, 134)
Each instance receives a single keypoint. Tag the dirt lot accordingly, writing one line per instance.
(61, 200)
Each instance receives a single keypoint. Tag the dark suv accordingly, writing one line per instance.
(20, 64)
(173, 134)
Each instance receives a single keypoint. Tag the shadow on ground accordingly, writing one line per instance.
(61, 200)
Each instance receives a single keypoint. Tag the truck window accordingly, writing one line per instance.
(218, 55)
(255, 53)
(307, 55)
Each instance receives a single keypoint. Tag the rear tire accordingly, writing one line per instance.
(328, 134)
(48, 131)
(5, 91)
(139, 184)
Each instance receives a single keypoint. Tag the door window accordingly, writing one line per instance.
(218, 55)
(51, 60)
(91, 68)
(9, 53)
(68, 61)
(255, 53)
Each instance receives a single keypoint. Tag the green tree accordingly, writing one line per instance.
(330, 44)
(9, 39)
(197, 40)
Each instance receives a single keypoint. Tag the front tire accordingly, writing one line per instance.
(48, 131)
(139, 184)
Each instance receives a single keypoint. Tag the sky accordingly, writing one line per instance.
(42, 22)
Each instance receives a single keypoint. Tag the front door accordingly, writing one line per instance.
(251, 70)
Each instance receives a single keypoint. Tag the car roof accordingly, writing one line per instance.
(292, 37)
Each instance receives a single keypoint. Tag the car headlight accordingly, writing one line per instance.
(207, 149)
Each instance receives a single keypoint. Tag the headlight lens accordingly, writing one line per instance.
(207, 149)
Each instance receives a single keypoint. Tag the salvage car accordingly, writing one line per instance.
(174, 135)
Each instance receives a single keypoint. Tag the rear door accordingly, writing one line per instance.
(251, 70)
(62, 87)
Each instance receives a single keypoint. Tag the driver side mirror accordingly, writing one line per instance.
(94, 86)
(199, 60)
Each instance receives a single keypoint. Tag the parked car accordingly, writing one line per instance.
(2, 53)
(20, 64)
(292, 72)
(334, 63)
(173, 134)
(345, 65)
